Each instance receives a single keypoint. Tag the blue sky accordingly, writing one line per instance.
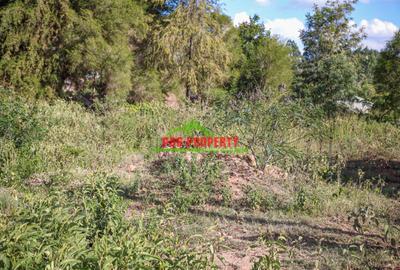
(380, 18)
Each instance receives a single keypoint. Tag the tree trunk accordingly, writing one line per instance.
(188, 87)
(332, 124)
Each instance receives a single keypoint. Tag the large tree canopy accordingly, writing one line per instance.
(188, 43)
(45, 43)
(266, 64)
(387, 78)
(328, 70)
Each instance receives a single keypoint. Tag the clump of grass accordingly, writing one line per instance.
(306, 201)
(257, 198)
(8, 203)
(20, 132)
(194, 182)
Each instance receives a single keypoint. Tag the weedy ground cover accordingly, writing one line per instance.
(68, 200)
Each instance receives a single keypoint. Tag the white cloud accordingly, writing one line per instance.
(318, 2)
(379, 32)
(263, 2)
(286, 28)
(240, 18)
(378, 28)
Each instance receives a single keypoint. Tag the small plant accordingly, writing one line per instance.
(180, 201)
(306, 202)
(194, 180)
(362, 216)
(226, 196)
(269, 261)
(7, 203)
(390, 233)
(256, 198)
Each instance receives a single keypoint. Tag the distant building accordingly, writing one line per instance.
(357, 105)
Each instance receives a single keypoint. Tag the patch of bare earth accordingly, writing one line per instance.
(172, 101)
(241, 173)
(244, 236)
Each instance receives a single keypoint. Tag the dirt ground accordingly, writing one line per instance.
(242, 236)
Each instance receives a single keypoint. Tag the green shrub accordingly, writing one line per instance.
(256, 198)
(19, 122)
(269, 129)
(7, 202)
(268, 262)
(195, 181)
(86, 229)
(307, 201)
(20, 131)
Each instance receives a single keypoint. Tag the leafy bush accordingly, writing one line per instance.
(268, 129)
(256, 198)
(306, 201)
(86, 229)
(19, 122)
(194, 180)
(20, 130)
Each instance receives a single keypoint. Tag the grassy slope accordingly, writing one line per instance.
(66, 155)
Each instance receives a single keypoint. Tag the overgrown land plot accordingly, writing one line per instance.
(99, 99)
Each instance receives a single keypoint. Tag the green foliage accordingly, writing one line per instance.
(268, 262)
(328, 71)
(20, 130)
(190, 46)
(387, 80)
(361, 217)
(366, 61)
(271, 260)
(30, 34)
(336, 81)
(266, 64)
(306, 201)
(19, 122)
(269, 138)
(86, 229)
(257, 198)
(87, 43)
(102, 56)
(146, 87)
(194, 181)
(391, 233)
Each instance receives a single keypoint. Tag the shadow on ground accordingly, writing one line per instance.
(374, 170)
(311, 235)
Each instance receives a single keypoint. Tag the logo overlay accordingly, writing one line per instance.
(193, 137)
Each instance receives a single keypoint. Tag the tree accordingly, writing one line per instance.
(101, 50)
(30, 38)
(366, 60)
(297, 57)
(295, 51)
(387, 79)
(266, 63)
(328, 71)
(188, 44)
(87, 43)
